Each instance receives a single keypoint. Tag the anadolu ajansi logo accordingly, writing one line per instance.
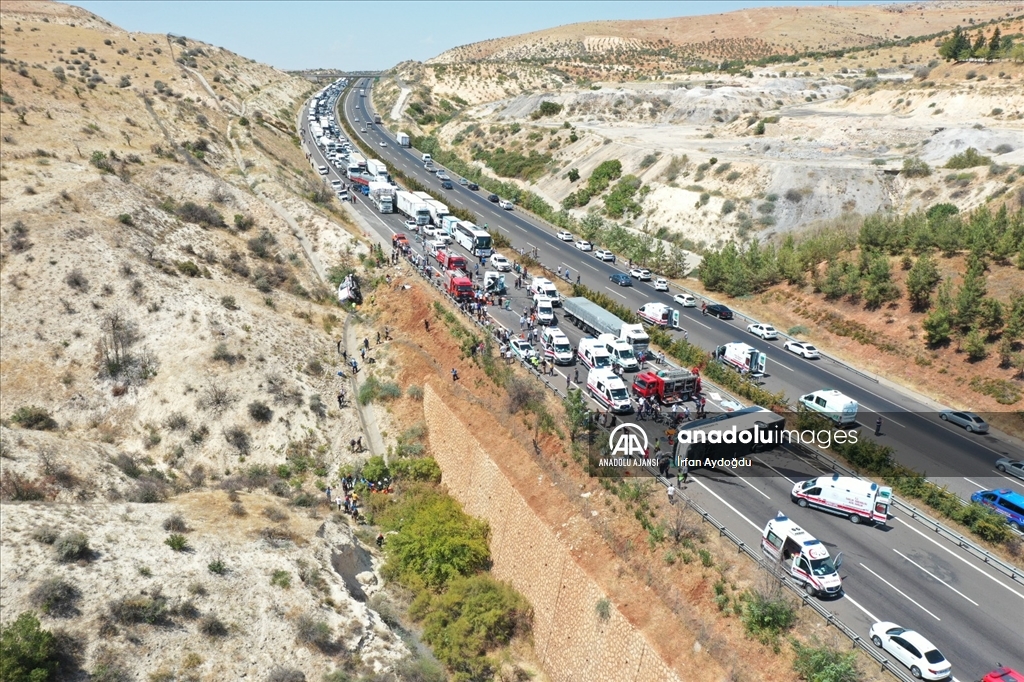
(628, 440)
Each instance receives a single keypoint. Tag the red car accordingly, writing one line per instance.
(1001, 674)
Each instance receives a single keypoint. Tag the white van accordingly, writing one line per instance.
(608, 390)
(556, 346)
(838, 407)
(620, 352)
(805, 558)
(594, 354)
(434, 245)
(854, 498)
(544, 287)
(426, 158)
(545, 313)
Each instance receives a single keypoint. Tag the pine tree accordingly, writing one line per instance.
(979, 43)
(937, 327)
(832, 284)
(994, 43)
(974, 345)
(970, 294)
(921, 281)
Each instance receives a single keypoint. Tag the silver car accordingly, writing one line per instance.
(968, 420)
(1011, 466)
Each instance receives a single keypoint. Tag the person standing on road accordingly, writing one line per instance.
(576, 375)
(878, 426)
(671, 494)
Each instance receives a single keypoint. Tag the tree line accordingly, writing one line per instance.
(959, 47)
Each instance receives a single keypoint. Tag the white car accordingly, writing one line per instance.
(357, 119)
(505, 204)
(383, 143)
(642, 274)
(661, 284)
(441, 175)
(322, 170)
(500, 263)
(802, 348)
(523, 349)
(605, 255)
(336, 184)
(912, 650)
(685, 300)
(564, 235)
(584, 245)
(765, 331)
(410, 223)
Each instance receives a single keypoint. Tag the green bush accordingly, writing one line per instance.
(139, 609)
(969, 158)
(434, 540)
(27, 652)
(32, 417)
(177, 542)
(55, 597)
(260, 411)
(825, 664)
(281, 578)
(417, 469)
(376, 469)
(473, 616)
(766, 616)
(547, 109)
(374, 390)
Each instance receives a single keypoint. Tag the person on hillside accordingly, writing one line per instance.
(455, 374)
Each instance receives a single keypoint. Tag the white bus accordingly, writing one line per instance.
(474, 240)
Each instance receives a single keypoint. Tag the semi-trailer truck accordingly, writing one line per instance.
(589, 316)
(409, 205)
(377, 168)
(437, 211)
(382, 194)
(402, 139)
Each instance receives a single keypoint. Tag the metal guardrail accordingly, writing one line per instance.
(830, 618)
(1014, 573)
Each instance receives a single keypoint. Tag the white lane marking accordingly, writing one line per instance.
(952, 553)
(774, 469)
(1011, 479)
(980, 486)
(702, 324)
(873, 617)
(935, 576)
(748, 483)
(734, 509)
(585, 264)
(616, 293)
(783, 366)
(901, 592)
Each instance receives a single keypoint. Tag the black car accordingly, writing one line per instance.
(446, 184)
(719, 311)
(473, 186)
(493, 198)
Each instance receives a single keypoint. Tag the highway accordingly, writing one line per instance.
(898, 572)
(945, 453)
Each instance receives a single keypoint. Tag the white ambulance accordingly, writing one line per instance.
(594, 354)
(855, 498)
(556, 346)
(609, 391)
(804, 557)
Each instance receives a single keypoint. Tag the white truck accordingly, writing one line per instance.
(437, 211)
(589, 316)
(556, 346)
(840, 408)
(802, 556)
(402, 139)
(854, 498)
(382, 194)
(742, 358)
(409, 205)
(377, 168)
(594, 354)
(655, 313)
(542, 286)
(620, 352)
(609, 391)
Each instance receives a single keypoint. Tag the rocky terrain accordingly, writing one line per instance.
(169, 339)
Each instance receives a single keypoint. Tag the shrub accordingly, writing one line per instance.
(237, 509)
(207, 216)
(45, 534)
(217, 566)
(260, 412)
(139, 609)
(311, 630)
(175, 523)
(825, 664)
(188, 268)
(27, 652)
(767, 614)
(55, 597)
(238, 438)
(72, 546)
(126, 219)
(794, 195)
(211, 626)
(177, 542)
(32, 417)
(281, 578)
(728, 206)
(229, 302)
(280, 674)
(969, 158)
(913, 167)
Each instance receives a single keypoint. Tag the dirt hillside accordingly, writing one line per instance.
(169, 346)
